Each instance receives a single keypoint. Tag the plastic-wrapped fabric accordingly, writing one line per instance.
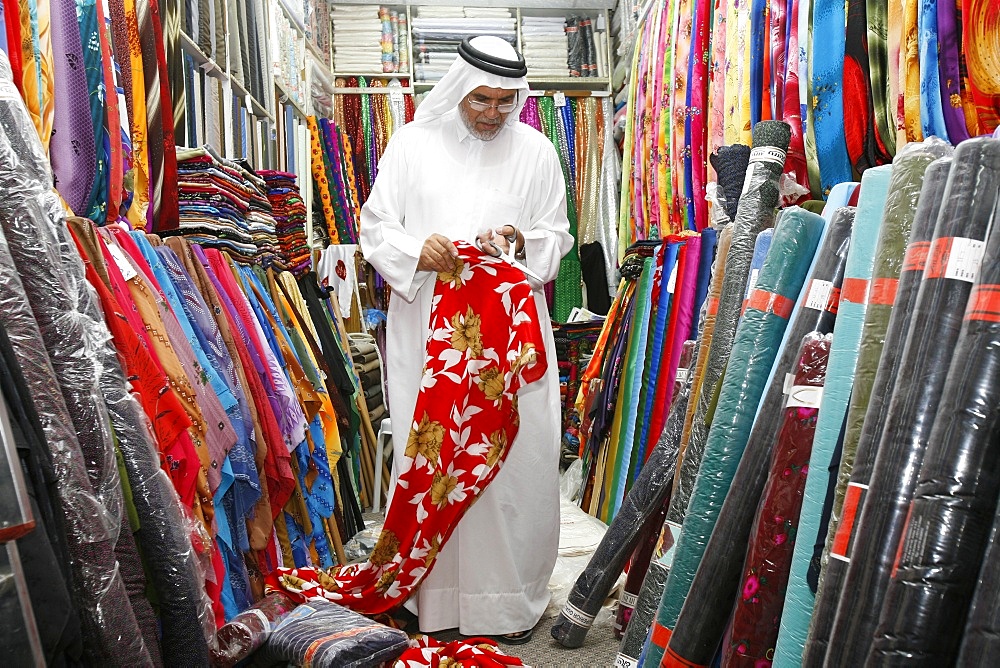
(952, 263)
(245, 633)
(647, 575)
(947, 525)
(716, 583)
(54, 286)
(900, 227)
(755, 349)
(650, 533)
(323, 634)
(730, 164)
(643, 501)
(760, 248)
(799, 597)
(982, 627)
(754, 629)
(681, 412)
(755, 213)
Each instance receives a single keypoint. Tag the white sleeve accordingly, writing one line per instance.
(384, 240)
(546, 235)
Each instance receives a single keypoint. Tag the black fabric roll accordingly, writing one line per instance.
(921, 232)
(982, 629)
(956, 495)
(966, 212)
(644, 500)
(702, 623)
(730, 163)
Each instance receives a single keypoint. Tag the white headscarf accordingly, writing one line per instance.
(463, 78)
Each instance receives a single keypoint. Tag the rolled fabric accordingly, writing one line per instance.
(248, 631)
(825, 120)
(643, 500)
(982, 628)
(756, 212)
(755, 349)
(952, 264)
(656, 576)
(897, 230)
(947, 525)
(649, 535)
(751, 636)
(730, 163)
(648, 598)
(799, 597)
(760, 248)
(699, 628)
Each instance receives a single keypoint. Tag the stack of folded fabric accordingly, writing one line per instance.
(224, 205)
(289, 218)
(366, 39)
(369, 367)
(545, 46)
(437, 32)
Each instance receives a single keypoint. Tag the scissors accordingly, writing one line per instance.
(508, 257)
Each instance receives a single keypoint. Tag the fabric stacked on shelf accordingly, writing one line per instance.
(289, 213)
(437, 32)
(545, 46)
(369, 39)
(224, 205)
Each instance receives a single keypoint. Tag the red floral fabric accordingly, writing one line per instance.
(484, 345)
(471, 653)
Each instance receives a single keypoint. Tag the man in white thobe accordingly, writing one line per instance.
(467, 169)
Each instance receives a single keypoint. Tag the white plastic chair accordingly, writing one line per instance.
(383, 450)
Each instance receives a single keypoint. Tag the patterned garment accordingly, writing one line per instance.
(485, 345)
(474, 653)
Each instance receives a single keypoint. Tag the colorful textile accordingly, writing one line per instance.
(471, 653)
(484, 346)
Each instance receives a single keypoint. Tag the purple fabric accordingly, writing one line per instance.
(72, 147)
(948, 65)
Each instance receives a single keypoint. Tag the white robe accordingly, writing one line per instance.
(492, 575)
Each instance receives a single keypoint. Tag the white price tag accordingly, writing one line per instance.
(804, 396)
(819, 294)
(395, 96)
(559, 99)
(682, 375)
(752, 282)
(964, 259)
(623, 661)
(128, 271)
(8, 91)
(786, 388)
(771, 154)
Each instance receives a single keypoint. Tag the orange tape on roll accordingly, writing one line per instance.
(984, 304)
(883, 291)
(713, 306)
(770, 302)
(672, 659)
(661, 635)
(916, 256)
(854, 291)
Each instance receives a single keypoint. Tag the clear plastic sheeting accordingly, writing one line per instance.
(248, 631)
(322, 634)
(982, 628)
(52, 277)
(716, 583)
(947, 523)
(967, 211)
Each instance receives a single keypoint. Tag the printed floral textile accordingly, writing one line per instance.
(473, 653)
(485, 344)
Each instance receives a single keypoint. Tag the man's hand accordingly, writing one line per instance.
(438, 254)
(502, 238)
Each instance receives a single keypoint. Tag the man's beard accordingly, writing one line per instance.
(485, 135)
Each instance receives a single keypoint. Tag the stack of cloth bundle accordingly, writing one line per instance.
(437, 32)
(369, 38)
(545, 46)
(584, 57)
(290, 220)
(223, 205)
(368, 364)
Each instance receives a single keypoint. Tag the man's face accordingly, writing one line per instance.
(485, 109)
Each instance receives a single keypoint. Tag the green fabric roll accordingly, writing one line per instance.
(897, 223)
(754, 351)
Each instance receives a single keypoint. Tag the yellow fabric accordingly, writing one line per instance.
(910, 52)
(139, 209)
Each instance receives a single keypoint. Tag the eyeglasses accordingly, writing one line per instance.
(504, 108)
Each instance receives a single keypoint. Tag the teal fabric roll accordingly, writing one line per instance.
(635, 359)
(799, 598)
(754, 351)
